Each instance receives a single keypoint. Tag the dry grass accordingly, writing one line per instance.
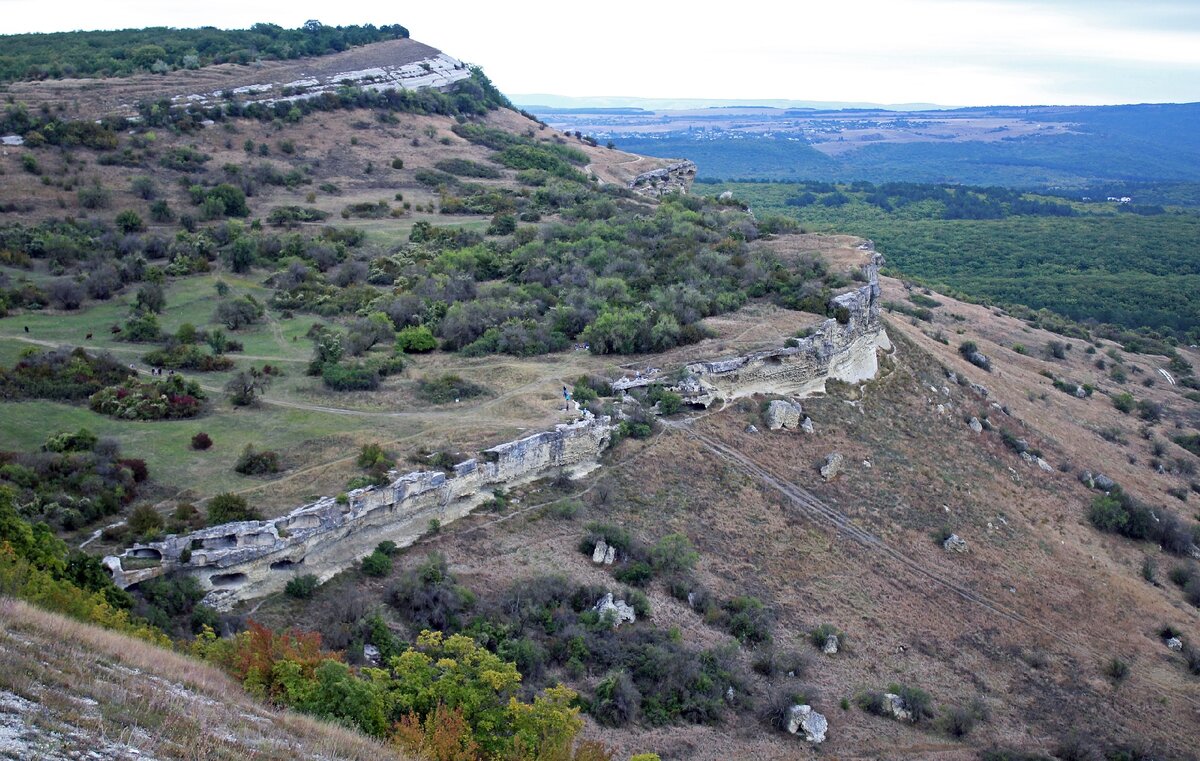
(74, 688)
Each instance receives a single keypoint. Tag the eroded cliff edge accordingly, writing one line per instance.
(245, 560)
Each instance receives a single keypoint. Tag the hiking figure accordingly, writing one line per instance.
(566, 399)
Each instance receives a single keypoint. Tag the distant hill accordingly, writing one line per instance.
(1035, 146)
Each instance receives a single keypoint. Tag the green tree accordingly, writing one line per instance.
(230, 508)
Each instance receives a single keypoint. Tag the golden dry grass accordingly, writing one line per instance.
(97, 690)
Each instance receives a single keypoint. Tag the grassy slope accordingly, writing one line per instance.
(68, 689)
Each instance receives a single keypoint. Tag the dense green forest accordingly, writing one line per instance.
(1126, 264)
(160, 49)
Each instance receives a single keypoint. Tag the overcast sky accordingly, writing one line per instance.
(951, 52)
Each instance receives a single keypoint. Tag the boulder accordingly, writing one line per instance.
(980, 389)
(610, 555)
(954, 543)
(831, 645)
(895, 705)
(1103, 482)
(1175, 643)
(1080, 392)
(782, 413)
(975, 425)
(371, 654)
(832, 466)
(1045, 465)
(807, 425)
(805, 719)
(621, 611)
(751, 429)
(599, 552)
(728, 194)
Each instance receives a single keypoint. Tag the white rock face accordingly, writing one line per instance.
(805, 719)
(895, 704)
(832, 466)
(1045, 465)
(1175, 643)
(975, 425)
(599, 552)
(610, 555)
(807, 425)
(831, 645)
(954, 543)
(782, 413)
(621, 611)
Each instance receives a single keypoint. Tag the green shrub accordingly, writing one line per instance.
(1124, 402)
(145, 522)
(301, 587)
(636, 573)
(355, 377)
(673, 553)
(415, 339)
(377, 564)
(230, 508)
(255, 462)
(447, 388)
(748, 620)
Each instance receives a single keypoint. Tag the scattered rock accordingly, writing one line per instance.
(782, 413)
(610, 555)
(728, 194)
(941, 408)
(895, 704)
(954, 543)
(952, 376)
(1027, 457)
(729, 694)
(945, 391)
(980, 389)
(975, 425)
(831, 645)
(1045, 465)
(371, 653)
(1175, 643)
(621, 611)
(807, 425)
(804, 718)
(1021, 445)
(832, 466)
(1080, 392)
(751, 428)
(980, 360)
(1104, 483)
(599, 552)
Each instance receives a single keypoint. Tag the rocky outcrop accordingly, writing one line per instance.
(1175, 643)
(782, 413)
(975, 425)
(802, 718)
(843, 348)
(896, 707)
(604, 554)
(673, 178)
(237, 561)
(620, 611)
(832, 466)
(954, 543)
(831, 645)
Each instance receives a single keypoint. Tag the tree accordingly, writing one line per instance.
(239, 312)
(245, 387)
(151, 298)
(230, 508)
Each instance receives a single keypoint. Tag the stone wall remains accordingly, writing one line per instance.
(673, 178)
(238, 561)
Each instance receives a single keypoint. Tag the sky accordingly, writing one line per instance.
(949, 52)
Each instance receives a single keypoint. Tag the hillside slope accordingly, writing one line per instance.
(69, 691)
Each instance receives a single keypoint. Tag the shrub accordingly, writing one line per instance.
(748, 620)
(447, 388)
(355, 377)
(430, 597)
(415, 339)
(958, 721)
(230, 508)
(673, 553)
(129, 221)
(771, 662)
(301, 587)
(636, 573)
(821, 633)
(1116, 669)
(377, 564)
(617, 701)
(254, 462)
(970, 352)
(1124, 402)
(145, 522)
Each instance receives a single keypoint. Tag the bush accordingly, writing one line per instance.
(748, 620)
(447, 388)
(145, 522)
(430, 597)
(129, 221)
(673, 553)
(636, 573)
(301, 587)
(617, 701)
(356, 377)
(958, 721)
(771, 662)
(377, 564)
(230, 508)
(201, 441)
(1124, 402)
(1116, 669)
(254, 462)
(415, 339)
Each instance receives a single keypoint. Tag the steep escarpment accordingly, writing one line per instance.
(249, 559)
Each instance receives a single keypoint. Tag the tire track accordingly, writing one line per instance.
(810, 505)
